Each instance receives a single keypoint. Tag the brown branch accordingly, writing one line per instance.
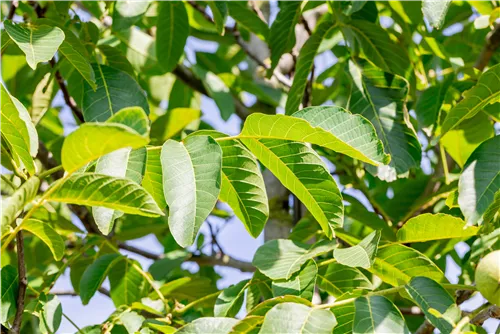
(67, 97)
(492, 43)
(411, 310)
(12, 9)
(491, 312)
(201, 260)
(23, 284)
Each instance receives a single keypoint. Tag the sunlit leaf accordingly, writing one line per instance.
(229, 302)
(12, 206)
(300, 284)
(435, 11)
(377, 314)
(361, 255)
(9, 293)
(208, 326)
(337, 279)
(48, 235)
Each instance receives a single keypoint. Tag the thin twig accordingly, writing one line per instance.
(490, 312)
(23, 284)
(67, 97)
(12, 10)
(492, 43)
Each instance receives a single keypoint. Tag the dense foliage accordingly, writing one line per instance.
(367, 155)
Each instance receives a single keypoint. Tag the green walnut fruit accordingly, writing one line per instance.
(488, 277)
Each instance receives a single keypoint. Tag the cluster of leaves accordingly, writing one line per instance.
(401, 94)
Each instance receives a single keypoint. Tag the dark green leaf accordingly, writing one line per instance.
(95, 274)
(377, 314)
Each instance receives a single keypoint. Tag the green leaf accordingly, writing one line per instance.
(428, 294)
(191, 184)
(78, 61)
(13, 206)
(160, 269)
(93, 140)
(301, 170)
(174, 121)
(133, 117)
(229, 302)
(300, 284)
(240, 12)
(331, 127)
(48, 235)
(282, 33)
(153, 176)
(247, 325)
(480, 181)
(172, 33)
(115, 58)
(466, 137)
(106, 191)
(435, 11)
(281, 258)
(9, 286)
(430, 102)
(127, 13)
(439, 226)
(51, 315)
(305, 62)
(127, 285)
(298, 318)
(94, 275)
(132, 321)
(377, 314)
(380, 97)
(42, 98)
(243, 186)
(337, 279)
(362, 255)
(345, 317)
(18, 130)
(397, 264)
(219, 11)
(373, 43)
(217, 90)
(115, 91)
(485, 92)
(208, 326)
(39, 43)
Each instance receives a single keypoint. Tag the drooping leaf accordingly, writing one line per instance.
(305, 63)
(191, 184)
(153, 176)
(18, 131)
(42, 98)
(13, 206)
(243, 186)
(127, 13)
(78, 60)
(298, 318)
(377, 314)
(331, 127)
(93, 140)
(95, 274)
(300, 284)
(337, 279)
(219, 11)
(229, 302)
(428, 295)
(39, 43)
(10, 290)
(106, 191)
(240, 12)
(380, 97)
(300, 169)
(282, 33)
(429, 226)
(48, 235)
(398, 264)
(281, 258)
(371, 42)
(480, 181)
(51, 315)
(435, 11)
(208, 326)
(174, 121)
(127, 285)
(172, 33)
(485, 92)
(115, 90)
(361, 255)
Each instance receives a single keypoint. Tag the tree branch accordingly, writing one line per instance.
(67, 97)
(492, 43)
(12, 9)
(23, 284)
(201, 260)
(490, 312)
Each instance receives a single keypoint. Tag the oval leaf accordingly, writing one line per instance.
(377, 314)
(48, 235)
(94, 275)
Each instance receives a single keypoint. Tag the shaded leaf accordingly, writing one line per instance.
(361, 255)
(39, 43)
(337, 279)
(174, 121)
(219, 11)
(132, 321)
(229, 302)
(428, 226)
(127, 13)
(78, 60)
(479, 181)
(430, 102)
(95, 274)
(127, 285)
(247, 325)
(106, 191)
(265, 306)
(51, 315)
(191, 184)
(240, 12)
(48, 235)
(298, 318)
(377, 314)
(281, 258)
(300, 284)
(9, 286)
(153, 176)
(12, 206)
